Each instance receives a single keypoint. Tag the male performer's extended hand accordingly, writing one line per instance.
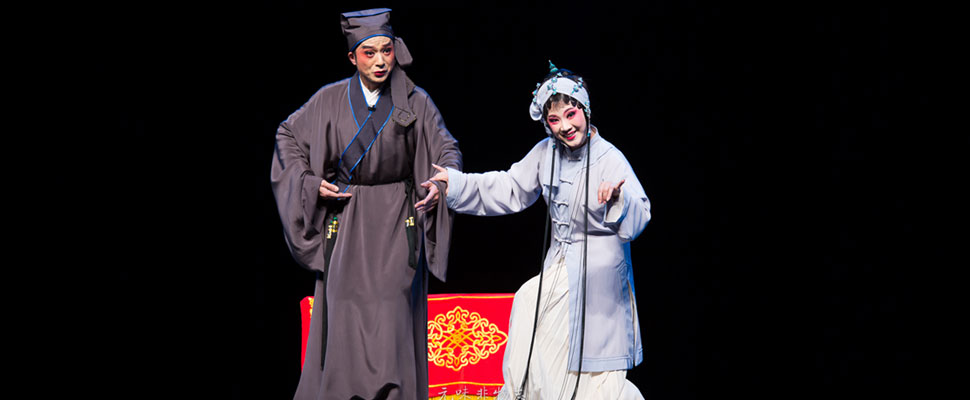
(330, 191)
(431, 200)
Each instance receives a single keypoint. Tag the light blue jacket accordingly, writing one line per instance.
(612, 331)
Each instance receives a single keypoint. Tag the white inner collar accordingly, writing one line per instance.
(369, 96)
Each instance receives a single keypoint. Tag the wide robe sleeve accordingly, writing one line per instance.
(296, 186)
(435, 145)
(498, 192)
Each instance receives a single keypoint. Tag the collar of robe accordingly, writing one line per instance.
(392, 104)
(370, 122)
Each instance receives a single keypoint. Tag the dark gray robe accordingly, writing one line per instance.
(376, 305)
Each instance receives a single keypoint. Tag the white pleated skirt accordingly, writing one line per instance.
(549, 377)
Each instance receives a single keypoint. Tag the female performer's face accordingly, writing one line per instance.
(568, 124)
(374, 59)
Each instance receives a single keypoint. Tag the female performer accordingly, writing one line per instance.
(586, 319)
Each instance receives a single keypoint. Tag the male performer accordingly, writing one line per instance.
(344, 174)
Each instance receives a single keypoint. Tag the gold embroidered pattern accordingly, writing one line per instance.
(461, 337)
(311, 306)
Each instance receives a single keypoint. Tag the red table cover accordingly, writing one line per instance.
(467, 334)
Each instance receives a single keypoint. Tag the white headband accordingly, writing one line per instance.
(557, 84)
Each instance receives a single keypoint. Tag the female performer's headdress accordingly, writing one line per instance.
(558, 82)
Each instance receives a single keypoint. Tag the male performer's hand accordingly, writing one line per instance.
(608, 192)
(431, 200)
(330, 191)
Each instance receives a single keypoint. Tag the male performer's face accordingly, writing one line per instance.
(374, 59)
(568, 123)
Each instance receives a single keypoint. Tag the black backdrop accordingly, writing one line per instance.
(773, 141)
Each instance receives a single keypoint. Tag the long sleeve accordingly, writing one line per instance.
(436, 145)
(497, 192)
(296, 189)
